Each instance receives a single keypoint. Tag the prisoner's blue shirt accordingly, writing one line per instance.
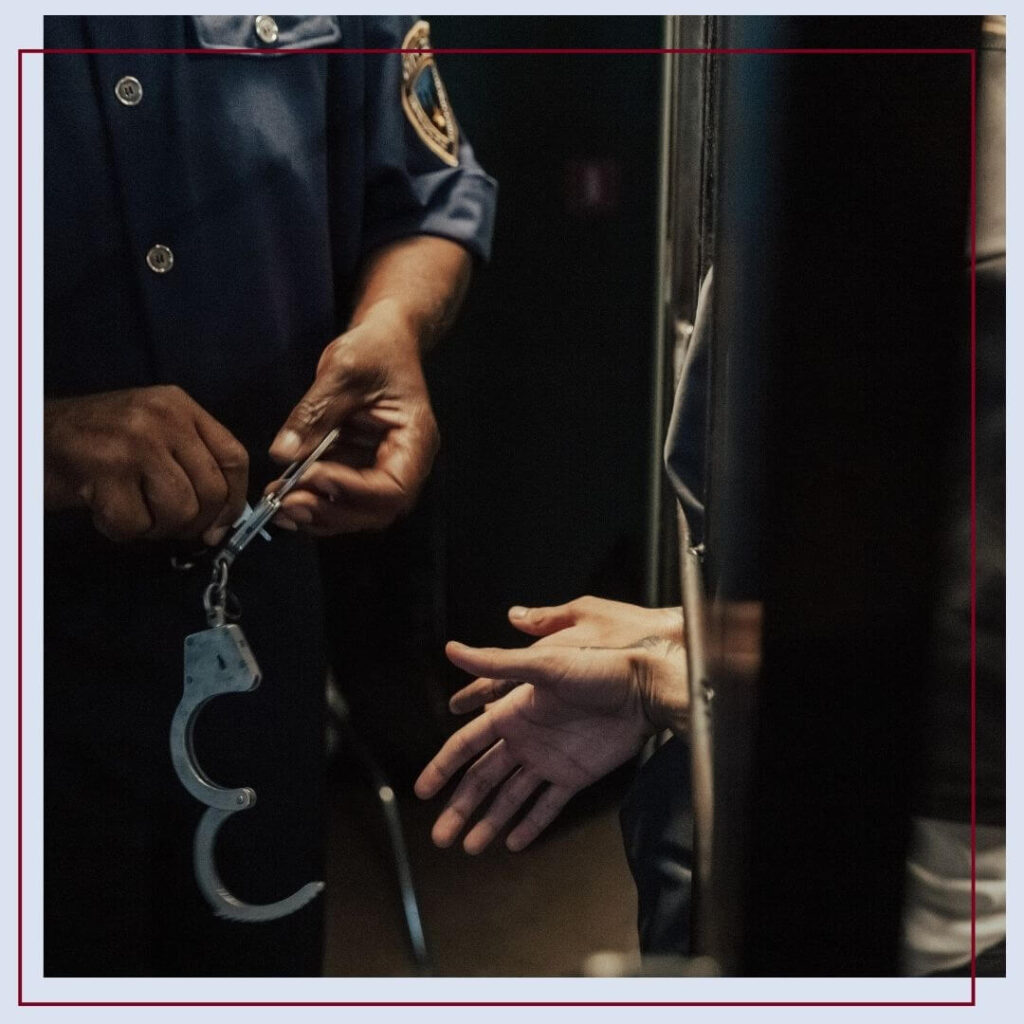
(266, 178)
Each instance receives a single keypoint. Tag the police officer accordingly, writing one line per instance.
(242, 251)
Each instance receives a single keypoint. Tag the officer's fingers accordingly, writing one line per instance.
(171, 500)
(326, 478)
(478, 693)
(360, 453)
(540, 815)
(407, 453)
(118, 508)
(344, 485)
(403, 457)
(391, 484)
(460, 747)
(542, 621)
(168, 492)
(333, 506)
(336, 524)
(483, 775)
(210, 485)
(232, 458)
(326, 404)
(516, 791)
(322, 518)
(368, 497)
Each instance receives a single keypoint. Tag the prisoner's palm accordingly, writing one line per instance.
(570, 744)
(569, 716)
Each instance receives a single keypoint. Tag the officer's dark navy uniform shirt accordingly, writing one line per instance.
(269, 179)
(204, 226)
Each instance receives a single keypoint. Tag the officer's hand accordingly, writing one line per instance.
(370, 385)
(147, 462)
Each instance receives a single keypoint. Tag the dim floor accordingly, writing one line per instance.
(537, 913)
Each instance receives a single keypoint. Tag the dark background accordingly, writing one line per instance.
(542, 391)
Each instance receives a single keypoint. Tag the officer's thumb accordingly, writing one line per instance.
(320, 410)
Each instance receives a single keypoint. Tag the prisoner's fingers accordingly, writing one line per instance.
(536, 664)
(543, 812)
(542, 621)
(478, 693)
(461, 746)
(487, 772)
(511, 797)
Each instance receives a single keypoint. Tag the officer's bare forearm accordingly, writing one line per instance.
(417, 284)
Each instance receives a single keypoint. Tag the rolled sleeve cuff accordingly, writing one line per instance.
(452, 203)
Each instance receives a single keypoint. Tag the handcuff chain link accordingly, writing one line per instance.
(215, 597)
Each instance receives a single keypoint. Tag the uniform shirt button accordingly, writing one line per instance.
(160, 259)
(129, 91)
(266, 28)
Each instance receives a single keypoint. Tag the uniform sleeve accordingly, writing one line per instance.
(421, 174)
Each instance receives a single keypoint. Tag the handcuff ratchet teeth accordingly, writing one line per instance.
(218, 660)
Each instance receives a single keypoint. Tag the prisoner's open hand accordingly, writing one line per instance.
(370, 384)
(560, 718)
(584, 622)
(147, 462)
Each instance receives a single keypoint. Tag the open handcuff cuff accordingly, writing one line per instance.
(218, 660)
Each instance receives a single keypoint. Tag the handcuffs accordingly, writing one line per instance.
(218, 660)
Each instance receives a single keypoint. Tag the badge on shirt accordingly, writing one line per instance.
(424, 98)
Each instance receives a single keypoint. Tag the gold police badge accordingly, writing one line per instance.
(424, 98)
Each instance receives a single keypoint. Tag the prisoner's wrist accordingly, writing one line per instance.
(670, 624)
(664, 691)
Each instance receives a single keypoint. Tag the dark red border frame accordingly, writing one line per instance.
(973, 53)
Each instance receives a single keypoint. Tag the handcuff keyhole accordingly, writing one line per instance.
(221, 663)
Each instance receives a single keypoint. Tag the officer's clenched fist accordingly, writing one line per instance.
(147, 462)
